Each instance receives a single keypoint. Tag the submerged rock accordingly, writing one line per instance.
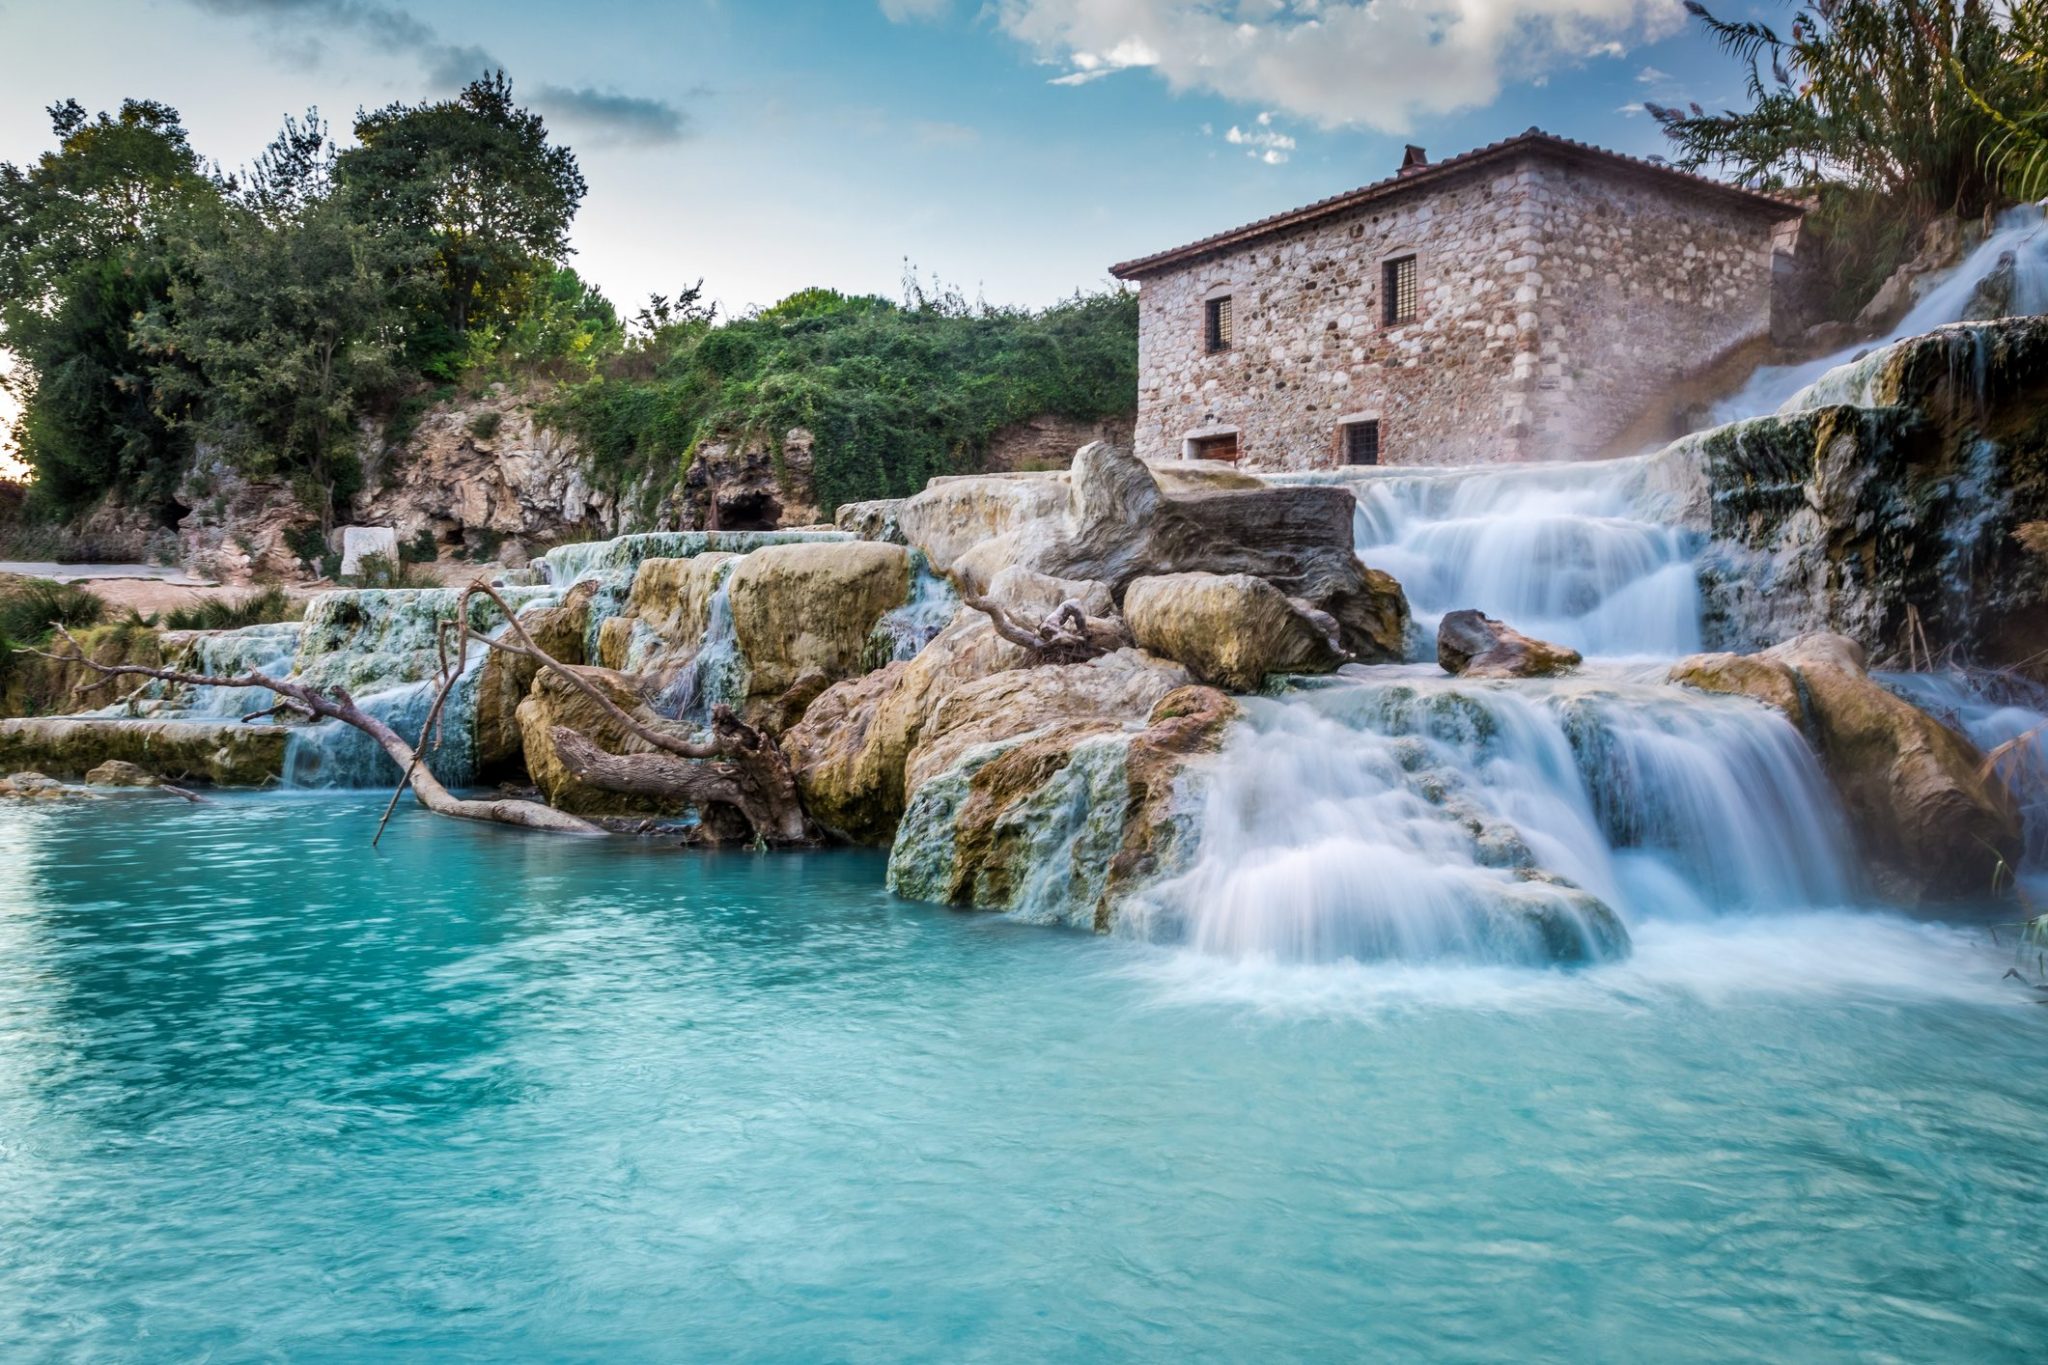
(1931, 822)
(32, 786)
(1473, 645)
(117, 772)
(1229, 629)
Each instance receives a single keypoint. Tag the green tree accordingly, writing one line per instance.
(84, 255)
(1871, 96)
(1868, 108)
(290, 329)
(476, 181)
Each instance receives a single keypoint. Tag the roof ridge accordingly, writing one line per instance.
(1533, 137)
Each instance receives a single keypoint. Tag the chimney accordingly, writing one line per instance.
(1414, 160)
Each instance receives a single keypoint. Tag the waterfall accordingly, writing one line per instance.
(718, 673)
(1585, 555)
(905, 630)
(1404, 814)
(2006, 276)
(382, 645)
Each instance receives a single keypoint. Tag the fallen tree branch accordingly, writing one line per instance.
(759, 784)
(336, 704)
(1066, 636)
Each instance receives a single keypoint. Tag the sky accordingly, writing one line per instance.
(1011, 148)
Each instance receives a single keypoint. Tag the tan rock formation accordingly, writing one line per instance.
(554, 702)
(813, 606)
(117, 772)
(505, 679)
(225, 753)
(1230, 630)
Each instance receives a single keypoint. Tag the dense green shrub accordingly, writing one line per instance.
(220, 613)
(32, 607)
(892, 395)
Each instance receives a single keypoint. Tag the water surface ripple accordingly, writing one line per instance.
(484, 1096)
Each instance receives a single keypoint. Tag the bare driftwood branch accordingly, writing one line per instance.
(751, 773)
(1066, 636)
(336, 704)
(763, 792)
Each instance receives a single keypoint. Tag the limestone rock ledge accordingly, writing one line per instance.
(224, 753)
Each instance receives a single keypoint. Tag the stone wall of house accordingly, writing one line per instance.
(1639, 290)
(1551, 302)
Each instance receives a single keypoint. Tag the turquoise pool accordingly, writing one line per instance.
(265, 1093)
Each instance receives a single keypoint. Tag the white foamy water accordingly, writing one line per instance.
(1586, 555)
(1401, 814)
(2018, 246)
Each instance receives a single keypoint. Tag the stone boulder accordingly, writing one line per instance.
(33, 786)
(955, 513)
(1061, 824)
(1119, 523)
(850, 749)
(813, 606)
(1885, 503)
(554, 702)
(1472, 645)
(117, 772)
(1230, 630)
(1112, 692)
(1930, 822)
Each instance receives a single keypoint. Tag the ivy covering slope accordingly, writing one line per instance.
(893, 395)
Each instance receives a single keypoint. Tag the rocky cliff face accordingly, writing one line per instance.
(1889, 503)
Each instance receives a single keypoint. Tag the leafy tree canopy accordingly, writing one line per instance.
(475, 179)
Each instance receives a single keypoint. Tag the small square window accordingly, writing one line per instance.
(1361, 442)
(1397, 291)
(1217, 332)
(1222, 447)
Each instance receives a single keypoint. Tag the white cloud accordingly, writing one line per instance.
(1379, 63)
(1650, 75)
(906, 11)
(1629, 110)
(1261, 141)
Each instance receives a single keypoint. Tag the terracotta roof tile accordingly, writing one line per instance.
(1535, 139)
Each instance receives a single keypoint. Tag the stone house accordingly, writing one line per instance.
(1535, 299)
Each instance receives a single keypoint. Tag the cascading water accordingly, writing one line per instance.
(718, 673)
(382, 645)
(1405, 814)
(268, 649)
(1580, 554)
(2006, 276)
(905, 630)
